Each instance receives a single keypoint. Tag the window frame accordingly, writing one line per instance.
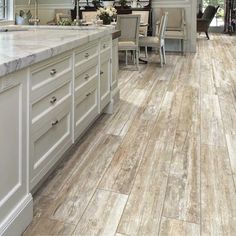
(8, 13)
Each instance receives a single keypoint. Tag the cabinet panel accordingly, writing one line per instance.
(13, 98)
(115, 64)
(49, 143)
(86, 110)
(105, 83)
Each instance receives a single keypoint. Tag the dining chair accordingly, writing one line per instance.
(157, 41)
(143, 29)
(129, 39)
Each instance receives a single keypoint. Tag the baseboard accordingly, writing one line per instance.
(18, 220)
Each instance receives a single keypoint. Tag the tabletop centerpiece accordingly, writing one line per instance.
(107, 14)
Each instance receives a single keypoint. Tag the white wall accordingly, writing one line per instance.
(190, 7)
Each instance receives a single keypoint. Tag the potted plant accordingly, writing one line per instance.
(108, 3)
(123, 3)
(106, 14)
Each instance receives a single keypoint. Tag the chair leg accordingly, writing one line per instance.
(161, 56)
(164, 54)
(207, 35)
(146, 52)
(182, 46)
(126, 60)
(137, 58)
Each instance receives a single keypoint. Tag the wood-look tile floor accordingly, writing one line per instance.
(163, 164)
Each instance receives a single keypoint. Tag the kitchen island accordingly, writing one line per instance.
(54, 83)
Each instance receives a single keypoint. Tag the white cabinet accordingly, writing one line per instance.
(13, 154)
(43, 109)
(51, 114)
(85, 87)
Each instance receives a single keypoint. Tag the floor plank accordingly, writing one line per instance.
(142, 213)
(182, 199)
(173, 227)
(77, 192)
(212, 130)
(102, 214)
(218, 195)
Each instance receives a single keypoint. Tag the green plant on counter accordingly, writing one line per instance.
(65, 22)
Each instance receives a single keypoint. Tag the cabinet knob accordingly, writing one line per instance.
(88, 94)
(104, 46)
(53, 72)
(53, 100)
(101, 72)
(86, 55)
(55, 122)
(86, 77)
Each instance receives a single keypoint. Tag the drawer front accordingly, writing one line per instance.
(45, 77)
(50, 115)
(86, 110)
(104, 84)
(82, 56)
(86, 79)
(49, 102)
(105, 43)
(48, 144)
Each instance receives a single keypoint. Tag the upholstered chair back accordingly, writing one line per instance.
(129, 27)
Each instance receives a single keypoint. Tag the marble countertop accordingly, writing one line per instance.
(23, 46)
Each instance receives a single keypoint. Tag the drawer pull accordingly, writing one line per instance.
(55, 122)
(53, 72)
(101, 72)
(86, 77)
(53, 100)
(86, 55)
(88, 94)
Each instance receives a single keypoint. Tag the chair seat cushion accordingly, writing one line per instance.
(174, 34)
(149, 41)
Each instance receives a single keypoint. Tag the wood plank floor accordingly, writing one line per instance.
(163, 164)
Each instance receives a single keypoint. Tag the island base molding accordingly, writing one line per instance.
(19, 218)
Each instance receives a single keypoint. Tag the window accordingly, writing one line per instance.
(3, 9)
(218, 20)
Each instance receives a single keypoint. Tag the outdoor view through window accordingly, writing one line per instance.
(2, 9)
(219, 17)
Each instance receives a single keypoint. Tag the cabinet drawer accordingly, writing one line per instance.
(50, 115)
(105, 43)
(48, 144)
(105, 55)
(82, 56)
(49, 102)
(45, 77)
(86, 110)
(86, 80)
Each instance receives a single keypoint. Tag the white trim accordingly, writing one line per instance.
(19, 218)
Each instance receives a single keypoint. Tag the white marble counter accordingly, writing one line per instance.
(32, 44)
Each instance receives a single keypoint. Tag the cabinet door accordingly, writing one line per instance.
(13, 118)
(104, 83)
(86, 109)
(115, 64)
